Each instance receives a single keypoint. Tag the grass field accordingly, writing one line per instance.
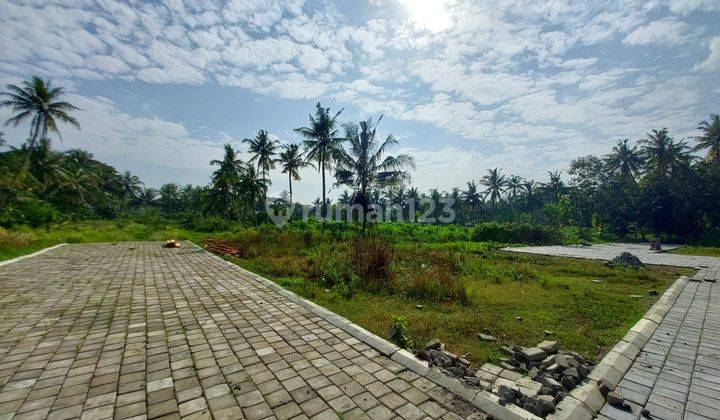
(708, 251)
(445, 290)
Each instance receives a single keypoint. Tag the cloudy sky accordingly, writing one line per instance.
(465, 85)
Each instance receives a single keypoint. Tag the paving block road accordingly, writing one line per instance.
(135, 330)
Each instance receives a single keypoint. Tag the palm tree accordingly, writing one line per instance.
(473, 197)
(252, 187)
(148, 197)
(81, 157)
(662, 153)
(2, 139)
(47, 167)
(321, 141)
(514, 185)
(495, 183)
(226, 181)
(38, 101)
(555, 186)
(363, 165)
(710, 139)
(264, 151)
(625, 160)
(131, 185)
(170, 197)
(292, 161)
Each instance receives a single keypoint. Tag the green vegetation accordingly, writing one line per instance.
(463, 287)
(708, 251)
(656, 187)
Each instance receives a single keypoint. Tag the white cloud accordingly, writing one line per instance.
(712, 62)
(662, 32)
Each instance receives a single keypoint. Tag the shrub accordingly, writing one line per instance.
(399, 333)
(434, 284)
(328, 264)
(32, 212)
(371, 260)
(14, 239)
(524, 233)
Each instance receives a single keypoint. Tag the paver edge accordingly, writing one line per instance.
(34, 254)
(403, 357)
(579, 403)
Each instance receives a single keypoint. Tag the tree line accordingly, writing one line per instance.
(657, 185)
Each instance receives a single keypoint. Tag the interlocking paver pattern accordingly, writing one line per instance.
(676, 375)
(134, 330)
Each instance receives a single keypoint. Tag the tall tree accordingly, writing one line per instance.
(364, 164)
(710, 139)
(555, 187)
(292, 160)
(253, 187)
(38, 101)
(473, 198)
(131, 187)
(514, 186)
(624, 160)
(263, 151)
(495, 184)
(664, 154)
(322, 142)
(225, 189)
(170, 198)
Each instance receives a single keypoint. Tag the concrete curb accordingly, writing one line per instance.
(585, 401)
(34, 254)
(483, 400)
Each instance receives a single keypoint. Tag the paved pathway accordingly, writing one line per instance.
(676, 374)
(133, 330)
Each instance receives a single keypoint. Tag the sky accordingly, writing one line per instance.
(465, 85)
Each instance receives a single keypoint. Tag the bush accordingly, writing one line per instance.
(14, 239)
(520, 233)
(34, 213)
(329, 264)
(434, 284)
(371, 260)
(204, 223)
(399, 333)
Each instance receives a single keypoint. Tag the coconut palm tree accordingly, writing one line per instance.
(170, 197)
(264, 151)
(225, 182)
(131, 186)
(664, 154)
(292, 161)
(321, 141)
(624, 160)
(495, 184)
(47, 168)
(253, 187)
(554, 187)
(148, 197)
(364, 164)
(473, 197)
(514, 186)
(39, 102)
(710, 139)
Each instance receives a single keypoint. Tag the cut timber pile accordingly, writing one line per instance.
(218, 246)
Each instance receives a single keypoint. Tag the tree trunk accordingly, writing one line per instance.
(290, 183)
(35, 134)
(322, 205)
